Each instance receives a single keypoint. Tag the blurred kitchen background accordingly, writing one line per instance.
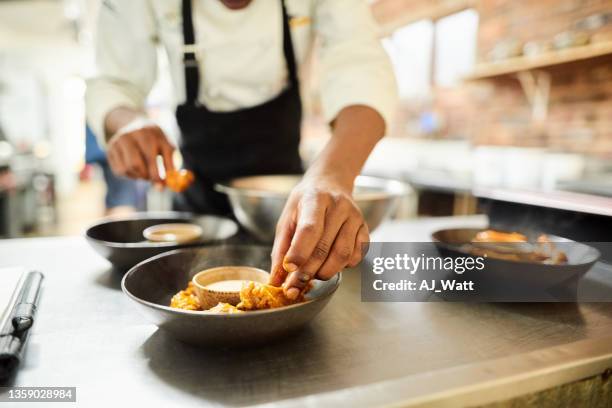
(504, 98)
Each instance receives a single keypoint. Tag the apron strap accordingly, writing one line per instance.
(288, 48)
(190, 60)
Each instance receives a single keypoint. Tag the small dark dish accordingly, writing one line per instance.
(152, 283)
(580, 258)
(120, 240)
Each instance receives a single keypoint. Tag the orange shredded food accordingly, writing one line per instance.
(179, 180)
(257, 296)
(225, 308)
(253, 296)
(499, 236)
(186, 299)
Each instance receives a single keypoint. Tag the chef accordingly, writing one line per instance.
(235, 71)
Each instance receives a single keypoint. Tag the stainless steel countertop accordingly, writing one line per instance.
(89, 335)
(562, 200)
(438, 180)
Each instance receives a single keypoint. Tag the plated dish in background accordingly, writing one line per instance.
(514, 246)
(543, 261)
(179, 233)
(152, 284)
(122, 243)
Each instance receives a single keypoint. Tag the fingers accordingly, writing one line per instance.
(120, 159)
(319, 233)
(361, 246)
(135, 159)
(125, 158)
(335, 217)
(149, 146)
(134, 154)
(157, 145)
(342, 251)
(282, 240)
(113, 161)
(166, 150)
(308, 231)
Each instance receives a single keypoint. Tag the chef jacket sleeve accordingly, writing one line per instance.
(355, 69)
(126, 60)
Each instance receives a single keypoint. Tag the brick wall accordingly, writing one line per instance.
(496, 111)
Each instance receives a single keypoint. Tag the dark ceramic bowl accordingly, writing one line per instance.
(581, 257)
(152, 283)
(121, 242)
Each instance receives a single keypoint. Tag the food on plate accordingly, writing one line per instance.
(179, 180)
(557, 257)
(186, 299)
(257, 296)
(514, 246)
(253, 296)
(499, 236)
(225, 308)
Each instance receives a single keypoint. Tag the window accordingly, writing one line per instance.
(455, 49)
(421, 62)
(410, 51)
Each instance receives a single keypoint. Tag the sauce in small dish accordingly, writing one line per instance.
(175, 232)
(223, 284)
(232, 285)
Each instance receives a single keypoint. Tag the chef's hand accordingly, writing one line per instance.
(134, 154)
(320, 231)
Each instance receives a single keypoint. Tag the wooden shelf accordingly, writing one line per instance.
(519, 64)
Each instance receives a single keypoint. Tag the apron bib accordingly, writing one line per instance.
(218, 146)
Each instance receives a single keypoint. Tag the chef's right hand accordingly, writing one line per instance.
(134, 154)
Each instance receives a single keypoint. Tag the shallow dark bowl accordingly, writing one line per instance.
(581, 258)
(152, 283)
(121, 242)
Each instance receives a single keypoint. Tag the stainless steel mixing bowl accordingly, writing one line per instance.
(258, 201)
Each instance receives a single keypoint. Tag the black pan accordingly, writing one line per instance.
(121, 242)
(152, 283)
(581, 257)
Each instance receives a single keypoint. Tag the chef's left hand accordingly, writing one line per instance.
(320, 231)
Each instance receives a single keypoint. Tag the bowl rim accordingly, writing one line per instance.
(447, 245)
(397, 188)
(168, 215)
(337, 278)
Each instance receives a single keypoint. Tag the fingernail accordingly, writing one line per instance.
(303, 277)
(293, 293)
(290, 267)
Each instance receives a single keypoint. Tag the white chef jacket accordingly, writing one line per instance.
(240, 54)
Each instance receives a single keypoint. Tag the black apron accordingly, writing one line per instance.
(218, 146)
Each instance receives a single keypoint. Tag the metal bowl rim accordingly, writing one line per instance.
(153, 215)
(395, 188)
(337, 278)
